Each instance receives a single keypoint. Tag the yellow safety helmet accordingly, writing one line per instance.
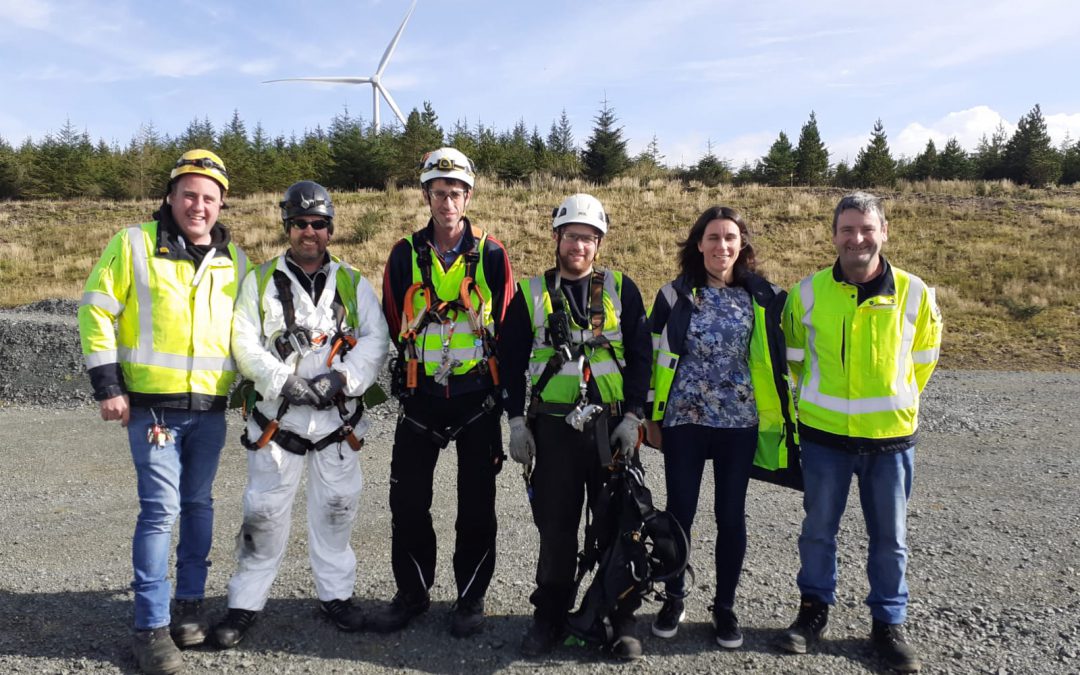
(202, 162)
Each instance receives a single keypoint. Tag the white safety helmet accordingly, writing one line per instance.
(580, 208)
(446, 163)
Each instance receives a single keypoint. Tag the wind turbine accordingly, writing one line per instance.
(377, 87)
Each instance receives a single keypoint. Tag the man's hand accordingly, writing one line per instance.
(625, 437)
(522, 443)
(116, 408)
(297, 391)
(327, 386)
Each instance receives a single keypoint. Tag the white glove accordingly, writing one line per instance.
(522, 443)
(625, 436)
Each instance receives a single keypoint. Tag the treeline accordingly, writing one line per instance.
(350, 155)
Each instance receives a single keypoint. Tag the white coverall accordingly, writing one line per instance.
(335, 479)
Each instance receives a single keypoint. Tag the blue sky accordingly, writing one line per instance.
(689, 72)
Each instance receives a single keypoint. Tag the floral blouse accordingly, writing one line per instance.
(712, 383)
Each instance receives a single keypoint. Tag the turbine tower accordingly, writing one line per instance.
(377, 87)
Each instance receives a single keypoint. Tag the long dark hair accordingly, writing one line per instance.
(692, 263)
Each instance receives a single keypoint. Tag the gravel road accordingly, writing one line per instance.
(994, 538)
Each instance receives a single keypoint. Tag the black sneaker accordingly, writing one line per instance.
(726, 628)
(542, 637)
(626, 645)
(809, 626)
(401, 610)
(666, 623)
(343, 614)
(889, 642)
(155, 652)
(189, 627)
(233, 627)
(468, 617)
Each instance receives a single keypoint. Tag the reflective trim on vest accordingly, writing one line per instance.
(794, 354)
(926, 355)
(175, 361)
(907, 391)
(105, 302)
(96, 359)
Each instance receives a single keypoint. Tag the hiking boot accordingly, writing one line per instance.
(401, 610)
(233, 627)
(626, 646)
(189, 627)
(543, 635)
(666, 623)
(468, 617)
(343, 614)
(809, 626)
(889, 642)
(155, 652)
(726, 628)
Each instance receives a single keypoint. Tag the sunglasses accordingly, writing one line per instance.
(315, 225)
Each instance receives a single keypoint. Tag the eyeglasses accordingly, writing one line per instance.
(579, 238)
(455, 195)
(315, 224)
(203, 163)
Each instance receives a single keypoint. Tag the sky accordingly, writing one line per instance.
(694, 74)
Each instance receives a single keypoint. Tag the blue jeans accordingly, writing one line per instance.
(884, 490)
(173, 480)
(686, 449)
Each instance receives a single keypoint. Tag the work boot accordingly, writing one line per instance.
(155, 652)
(468, 617)
(233, 627)
(809, 626)
(401, 610)
(543, 635)
(626, 646)
(889, 642)
(726, 628)
(343, 614)
(671, 614)
(189, 627)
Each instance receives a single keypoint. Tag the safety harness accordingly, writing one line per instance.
(633, 547)
(299, 340)
(439, 312)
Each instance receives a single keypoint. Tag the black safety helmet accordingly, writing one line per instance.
(306, 198)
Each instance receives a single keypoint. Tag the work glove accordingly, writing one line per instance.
(297, 391)
(327, 386)
(626, 435)
(522, 443)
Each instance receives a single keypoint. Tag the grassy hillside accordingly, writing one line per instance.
(1001, 257)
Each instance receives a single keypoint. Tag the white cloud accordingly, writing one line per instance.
(1061, 125)
(967, 126)
(23, 14)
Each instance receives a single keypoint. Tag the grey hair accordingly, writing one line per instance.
(863, 202)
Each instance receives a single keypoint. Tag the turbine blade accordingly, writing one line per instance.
(393, 43)
(339, 80)
(390, 102)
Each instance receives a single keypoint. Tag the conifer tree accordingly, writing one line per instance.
(953, 162)
(1029, 156)
(926, 163)
(989, 159)
(874, 165)
(811, 155)
(605, 155)
(1070, 163)
(778, 165)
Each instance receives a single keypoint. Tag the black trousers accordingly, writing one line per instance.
(412, 470)
(567, 472)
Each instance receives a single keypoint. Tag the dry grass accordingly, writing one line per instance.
(1001, 256)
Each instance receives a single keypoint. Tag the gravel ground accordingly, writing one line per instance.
(994, 537)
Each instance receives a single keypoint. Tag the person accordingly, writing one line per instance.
(579, 332)
(445, 290)
(309, 335)
(720, 392)
(863, 338)
(154, 322)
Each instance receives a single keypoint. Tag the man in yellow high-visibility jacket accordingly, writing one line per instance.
(155, 321)
(862, 339)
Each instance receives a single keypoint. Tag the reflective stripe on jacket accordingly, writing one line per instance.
(861, 367)
(669, 321)
(605, 363)
(173, 321)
